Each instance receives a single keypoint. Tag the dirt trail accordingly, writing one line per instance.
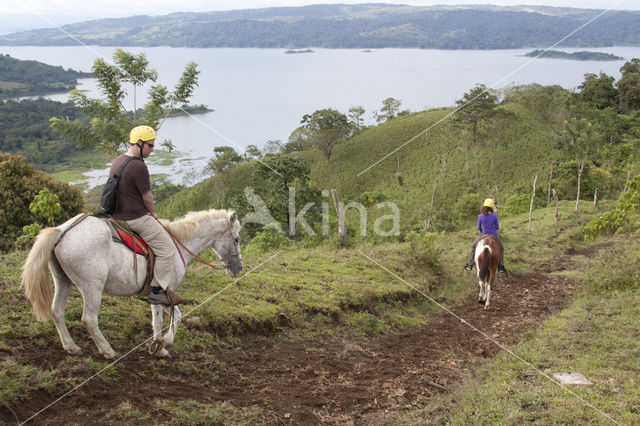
(314, 381)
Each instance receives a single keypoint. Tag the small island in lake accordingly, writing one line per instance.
(576, 56)
(289, 52)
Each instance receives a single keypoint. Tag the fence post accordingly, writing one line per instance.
(533, 195)
(342, 227)
(555, 197)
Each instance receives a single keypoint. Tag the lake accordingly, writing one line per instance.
(262, 94)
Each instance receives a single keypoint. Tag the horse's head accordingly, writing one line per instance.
(227, 245)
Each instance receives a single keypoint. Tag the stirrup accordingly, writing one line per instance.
(174, 299)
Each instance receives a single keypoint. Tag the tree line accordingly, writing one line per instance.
(23, 78)
(356, 26)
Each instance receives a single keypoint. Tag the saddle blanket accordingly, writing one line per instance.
(127, 241)
(122, 237)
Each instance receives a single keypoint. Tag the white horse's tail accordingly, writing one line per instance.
(35, 273)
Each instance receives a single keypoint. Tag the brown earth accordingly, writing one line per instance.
(314, 381)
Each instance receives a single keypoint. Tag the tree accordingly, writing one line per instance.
(578, 141)
(325, 128)
(298, 141)
(110, 122)
(390, 109)
(224, 158)
(274, 178)
(598, 90)
(475, 106)
(252, 152)
(46, 205)
(629, 86)
(356, 115)
(272, 147)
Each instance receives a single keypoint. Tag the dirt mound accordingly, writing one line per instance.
(317, 381)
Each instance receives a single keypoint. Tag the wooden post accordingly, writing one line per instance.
(549, 190)
(555, 197)
(531, 206)
(342, 227)
(595, 198)
(627, 181)
(427, 226)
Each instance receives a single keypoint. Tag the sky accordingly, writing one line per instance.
(18, 15)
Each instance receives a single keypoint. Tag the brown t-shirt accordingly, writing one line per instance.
(133, 183)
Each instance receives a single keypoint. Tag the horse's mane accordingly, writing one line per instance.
(184, 227)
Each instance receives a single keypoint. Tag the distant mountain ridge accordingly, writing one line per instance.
(354, 26)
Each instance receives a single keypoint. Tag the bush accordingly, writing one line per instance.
(467, 207)
(519, 204)
(423, 250)
(267, 239)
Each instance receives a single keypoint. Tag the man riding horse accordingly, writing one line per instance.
(135, 207)
(487, 225)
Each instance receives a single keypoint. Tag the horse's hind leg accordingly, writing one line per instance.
(90, 310)
(62, 289)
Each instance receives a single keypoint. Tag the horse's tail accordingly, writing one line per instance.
(35, 274)
(483, 272)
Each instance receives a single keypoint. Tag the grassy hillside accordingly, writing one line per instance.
(518, 144)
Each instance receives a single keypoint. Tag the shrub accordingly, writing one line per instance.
(424, 250)
(267, 239)
(467, 207)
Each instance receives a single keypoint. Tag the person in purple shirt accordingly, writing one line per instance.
(487, 224)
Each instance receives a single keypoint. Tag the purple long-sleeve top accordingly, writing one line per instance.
(488, 223)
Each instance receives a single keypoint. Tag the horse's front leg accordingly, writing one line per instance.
(156, 323)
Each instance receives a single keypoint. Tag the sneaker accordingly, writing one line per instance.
(501, 269)
(468, 267)
(158, 297)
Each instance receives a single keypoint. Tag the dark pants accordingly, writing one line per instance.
(475, 243)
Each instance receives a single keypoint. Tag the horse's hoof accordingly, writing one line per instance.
(155, 346)
(74, 351)
(162, 353)
(110, 355)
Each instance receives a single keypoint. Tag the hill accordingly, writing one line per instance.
(354, 26)
(440, 176)
(25, 78)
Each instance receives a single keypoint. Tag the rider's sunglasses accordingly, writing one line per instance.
(150, 144)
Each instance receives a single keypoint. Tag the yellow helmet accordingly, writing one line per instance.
(489, 203)
(142, 133)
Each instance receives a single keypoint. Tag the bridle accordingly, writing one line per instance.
(177, 242)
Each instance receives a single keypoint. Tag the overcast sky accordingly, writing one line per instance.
(16, 15)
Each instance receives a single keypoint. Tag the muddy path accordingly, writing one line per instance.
(315, 381)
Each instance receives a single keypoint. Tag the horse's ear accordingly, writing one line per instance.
(233, 217)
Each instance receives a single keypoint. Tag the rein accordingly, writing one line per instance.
(195, 257)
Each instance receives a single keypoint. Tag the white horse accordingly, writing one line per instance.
(87, 257)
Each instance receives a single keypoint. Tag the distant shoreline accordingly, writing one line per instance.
(575, 56)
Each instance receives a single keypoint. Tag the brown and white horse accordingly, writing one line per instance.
(487, 258)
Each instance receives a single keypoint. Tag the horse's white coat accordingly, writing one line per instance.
(87, 257)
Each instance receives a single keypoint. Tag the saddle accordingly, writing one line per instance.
(121, 233)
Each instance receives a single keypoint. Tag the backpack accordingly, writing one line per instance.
(109, 199)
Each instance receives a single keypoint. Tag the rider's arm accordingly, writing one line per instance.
(147, 200)
(480, 217)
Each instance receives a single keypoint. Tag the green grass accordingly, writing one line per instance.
(597, 336)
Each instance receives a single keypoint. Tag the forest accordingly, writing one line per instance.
(355, 26)
(24, 78)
